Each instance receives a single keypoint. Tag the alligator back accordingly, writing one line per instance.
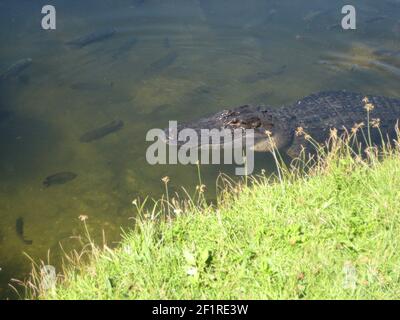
(322, 111)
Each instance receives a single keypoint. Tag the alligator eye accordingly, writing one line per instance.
(234, 122)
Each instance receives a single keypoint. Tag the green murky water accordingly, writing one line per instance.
(219, 53)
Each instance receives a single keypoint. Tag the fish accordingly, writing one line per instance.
(15, 69)
(310, 16)
(102, 131)
(19, 228)
(396, 28)
(393, 3)
(334, 26)
(313, 15)
(202, 90)
(387, 53)
(91, 86)
(258, 76)
(331, 65)
(262, 21)
(387, 68)
(342, 66)
(124, 48)
(5, 115)
(261, 98)
(138, 3)
(365, 63)
(163, 63)
(167, 43)
(93, 37)
(161, 109)
(59, 178)
(375, 19)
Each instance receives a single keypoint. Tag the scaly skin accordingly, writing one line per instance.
(316, 114)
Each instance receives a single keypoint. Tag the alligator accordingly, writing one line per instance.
(288, 127)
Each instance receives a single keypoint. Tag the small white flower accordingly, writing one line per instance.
(128, 249)
(192, 271)
(177, 211)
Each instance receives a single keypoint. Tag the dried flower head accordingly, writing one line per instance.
(165, 179)
(268, 133)
(365, 100)
(201, 188)
(369, 107)
(356, 127)
(299, 132)
(83, 217)
(376, 123)
(301, 276)
(334, 133)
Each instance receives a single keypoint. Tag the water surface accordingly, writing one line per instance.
(168, 60)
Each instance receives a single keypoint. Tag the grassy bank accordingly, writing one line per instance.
(329, 232)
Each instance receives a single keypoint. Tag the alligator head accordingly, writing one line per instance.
(268, 130)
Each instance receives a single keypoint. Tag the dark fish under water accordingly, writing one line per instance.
(258, 76)
(5, 115)
(19, 228)
(102, 131)
(126, 47)
(138, 3)
(387, 53)
(335, 26)
(16, 68)
(96, 36)
(59, 178)
(375, 19)
(91, 86)
(167, 43)
(1, 237)
(163, 63)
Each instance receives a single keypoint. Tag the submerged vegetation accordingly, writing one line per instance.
(325, 229)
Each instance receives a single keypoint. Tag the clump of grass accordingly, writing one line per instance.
(327, 227)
